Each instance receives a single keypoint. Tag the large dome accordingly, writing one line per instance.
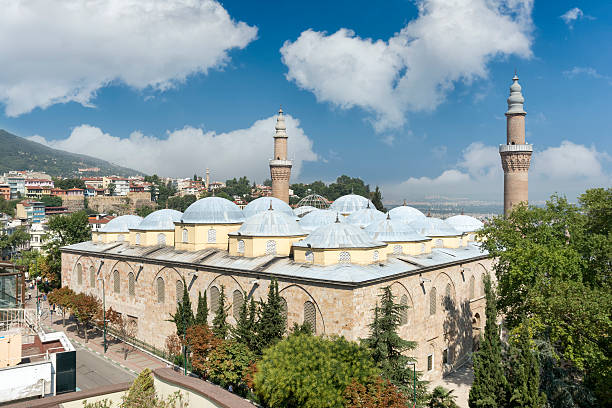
(317, 218)
(122, 224)
(213, 210)
(434, 227)
(350, 203)
(405, 213)
(262, 204)
(338, 235)
(464, 223)
(160, 220)
(365, 216)
(270, 223)
(390, 230)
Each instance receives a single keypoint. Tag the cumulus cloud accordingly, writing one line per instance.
(568, 169)
(185, 151)
(414, 70)
(64, 50)
(586, 71)
(573, 15)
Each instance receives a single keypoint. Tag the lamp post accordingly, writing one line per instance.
(103, 311)
(414, 381)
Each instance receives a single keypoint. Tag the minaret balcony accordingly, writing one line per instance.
(506, 148)
(281, 163)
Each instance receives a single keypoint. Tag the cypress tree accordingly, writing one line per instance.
(220, 326)
(243, 332)
(183, 318)
(202, 313)
(490, 387)
(271, 324)
(524, 373)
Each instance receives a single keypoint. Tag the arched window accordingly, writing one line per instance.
(161, 290)
(92, 277)
(439, 243)
(241, 246)
(179, 291)
(422, 248)
(214, 299)
(375, 256)
(79, 269)
(404, 311)
(309, 256)
(116, 282)
(344, 257)
(185, 235)
(471, 291)
(284, 309)
(120, 238)
(131, 290)
(271, 247)
(238, 300)
(397, 250)
(137, 239)
(432, 301)
(161, 239)
(310, 315)
(212, 236)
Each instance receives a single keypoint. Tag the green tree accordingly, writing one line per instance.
(223, 194)
(111, 188)
(376, 198)
(228, 364)
(490, 387)
(68, 183)
(523, 372)
(245, 326)
(272, 322)
(183, 318)
(11, 243)
(144, 210)
(51, 201)
(311, 371)
(202, 312)
(86, 308)
(220, 326)
(442, 398)
(62, 298)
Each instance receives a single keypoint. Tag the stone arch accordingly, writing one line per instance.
(441, 281)
(295, 306)
(86, 262)
(399, 289)
(230, 285)
(163, 269)
(481, 272)
(114, 266)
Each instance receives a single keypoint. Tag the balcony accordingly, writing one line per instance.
(515, 148)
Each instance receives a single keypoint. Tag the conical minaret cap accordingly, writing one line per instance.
(516, 100)
(281, 128)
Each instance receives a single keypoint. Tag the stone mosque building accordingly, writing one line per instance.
(330, 264)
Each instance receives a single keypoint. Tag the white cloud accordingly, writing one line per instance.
(573, 15)
(450, 41)
(567, 169)
(586, 71)
(188, 150)
(64, 50)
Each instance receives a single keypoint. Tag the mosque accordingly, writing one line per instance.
(330, 263)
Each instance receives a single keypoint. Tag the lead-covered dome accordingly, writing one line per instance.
(160, 220)
(270, 223)
(350, 203)
(122, 224)
(434, 227)
(213, 210)
(405, 213)
(338, 235)
(262, 204)
(464, 223)
(390, 230)
(365, 216)
(318, 218)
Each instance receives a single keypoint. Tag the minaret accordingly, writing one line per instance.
(280, 167)
(515, 154)
(207, 179)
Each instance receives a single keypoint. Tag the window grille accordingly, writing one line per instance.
(344, 257)
(271, 247)
(137, 239)
(309, 256)
(432, 301)
(471, 291)
(375, 256)
(397, 250)
(161, 290)
(179, 291)
(161, 239)
(310, 315)
(404, 311)
(92, 277)
(439, 243)
(238, 300)
(241, 246)
(214, 299)
(131, 290)
(430, 362)
(79, 274)
(116, 282)
(212, 236)
(185, 235)
(445, 356)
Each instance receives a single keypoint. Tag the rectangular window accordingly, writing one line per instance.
(445, 356)
(430, 362)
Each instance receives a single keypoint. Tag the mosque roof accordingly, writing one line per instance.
(160, 220)
(317, 218)
(464, 223)
(262, 204)
(213, 210)
(350, 203)
(405, 213)
(392, 230)
(122, 224)
(434, 227)
(338, 235)
(303, 210)
(365, 216)
(270, 223)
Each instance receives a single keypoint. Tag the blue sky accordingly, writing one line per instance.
(409, 96)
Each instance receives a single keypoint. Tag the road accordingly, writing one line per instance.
(95, 371)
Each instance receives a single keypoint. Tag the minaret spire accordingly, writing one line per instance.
(280, 166)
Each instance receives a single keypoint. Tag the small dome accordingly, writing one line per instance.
(213, 210)
(317, 218)
(364, 217)
(302, 211)
(390, 230)
(314, 200)
(270, 223)
(160, 220)
(262, 204)
(434, 227)
(464, 223)
(405, 213)
(350, 203)
(122, 224)
(338, 235)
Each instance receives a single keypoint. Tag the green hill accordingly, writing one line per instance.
(17, 153)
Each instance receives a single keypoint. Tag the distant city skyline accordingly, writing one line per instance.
(389, 94)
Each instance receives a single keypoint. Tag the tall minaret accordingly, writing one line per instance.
(515, 154)
(280, 167)
(207, 182)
